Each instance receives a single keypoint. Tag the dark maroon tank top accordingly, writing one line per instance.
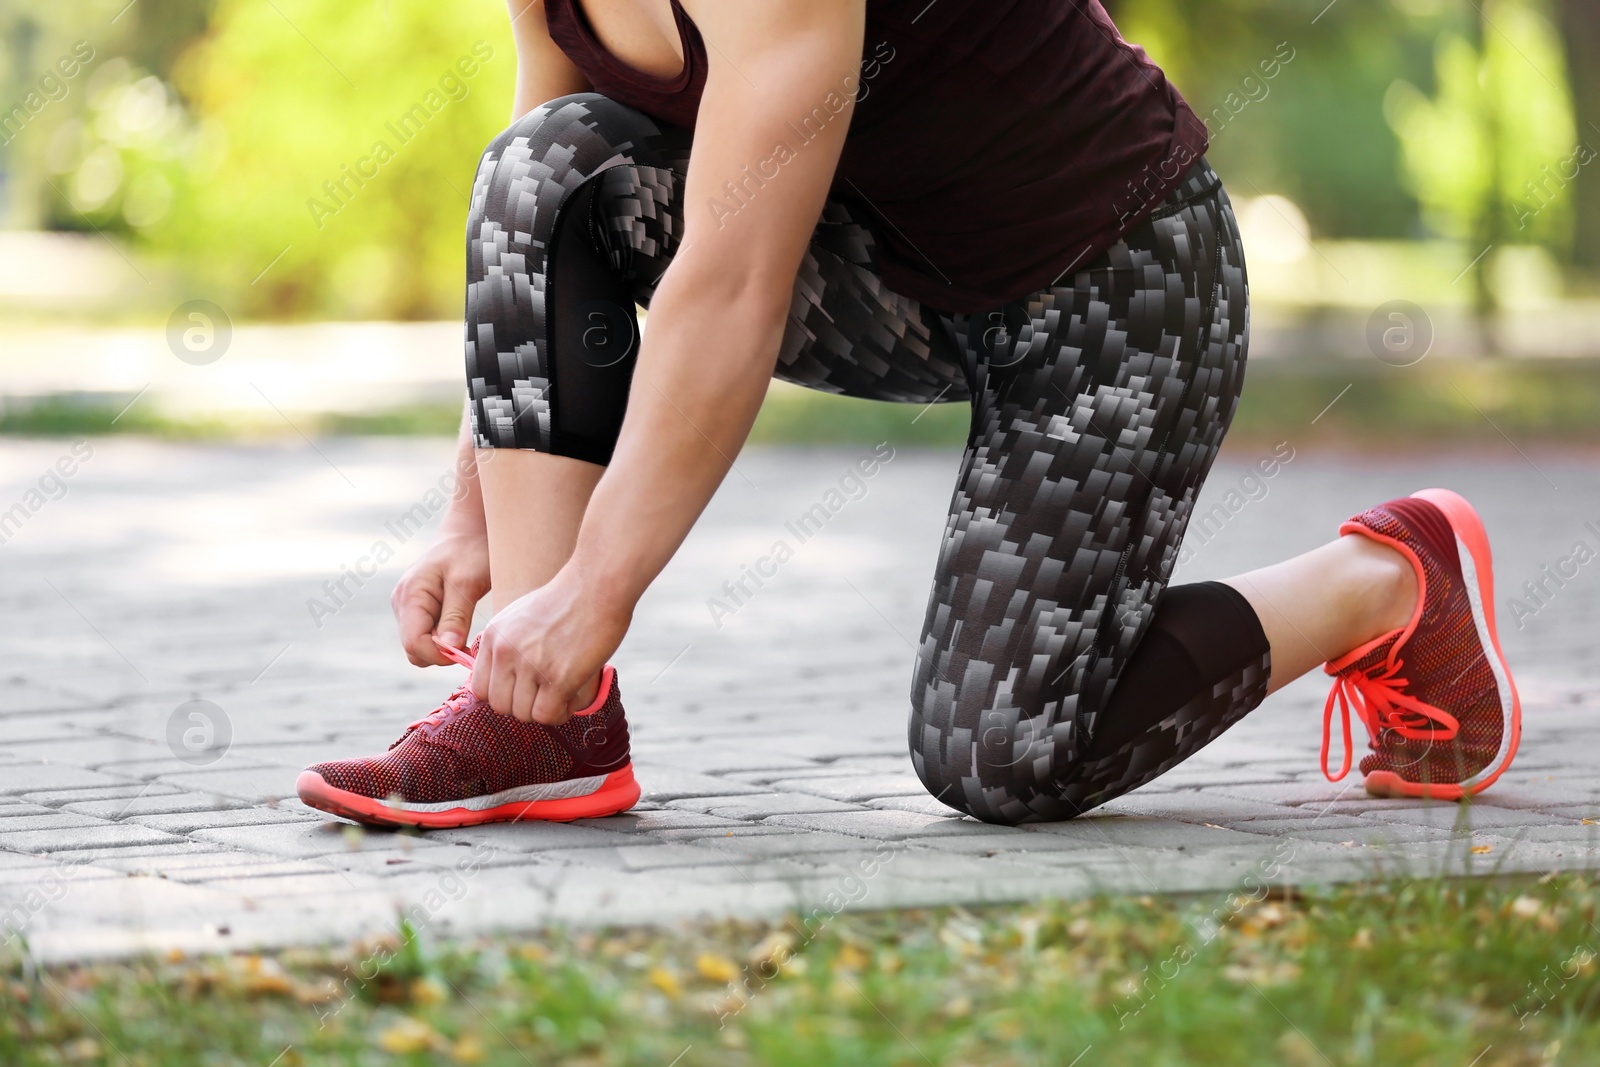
(995, 145)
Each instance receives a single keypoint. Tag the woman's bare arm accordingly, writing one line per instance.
(543, 70)
(716, 321)
(438, 593)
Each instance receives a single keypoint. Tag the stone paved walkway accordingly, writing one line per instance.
(769, 737)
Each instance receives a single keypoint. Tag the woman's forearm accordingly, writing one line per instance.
(466, 503)
(701, 376)
(543, 72)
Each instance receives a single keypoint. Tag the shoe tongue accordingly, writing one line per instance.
(1366, 658)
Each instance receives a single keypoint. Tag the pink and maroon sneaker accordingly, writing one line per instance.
(1436, 696)
(464, 764)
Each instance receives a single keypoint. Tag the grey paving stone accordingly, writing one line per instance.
(55, 798)
(1016, 842)
(923, 805)
(91, 751)
(1477, 816)
(1580, 812)
(716, 759)
(664, 784)
(321, 885)
(1563, 833)
(1366, 805)
(155, 769)
(645, 857)
(767, 778)
(780, 841)
(1538, 795)
(928, 865)
(885, 825)
(19, 881)
(1316, 793)
(856, 788)
(1139, 832)
(1186, 777)
(246, 783)
(191, 855)
(100, 835)
(742, 829)
(188, 822)
(23, 777)
(394, 863)
(1295, 827)
(167, 803)
(22, 861)
(1372, 834)
(112, 855)
(654, 822)
(761, 805)
(769, 871)
(301, 840)
(1199, 807)
(244, 873)
(535, 837)
(45, 820)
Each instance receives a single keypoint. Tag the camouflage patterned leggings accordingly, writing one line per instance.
(1056, 670)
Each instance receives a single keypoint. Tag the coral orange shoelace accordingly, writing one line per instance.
(456, 702)
(1379, 699)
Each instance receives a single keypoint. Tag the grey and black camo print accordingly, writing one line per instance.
(1098, 406)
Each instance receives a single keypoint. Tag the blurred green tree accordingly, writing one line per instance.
(334, 153)
(1313, 131)
(1491, 155)
(1580, 30)
(50, 55)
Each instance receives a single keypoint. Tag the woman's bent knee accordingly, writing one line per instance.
(1006, 768)
(573, 121)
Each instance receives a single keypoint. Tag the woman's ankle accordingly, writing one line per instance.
(1387, 584)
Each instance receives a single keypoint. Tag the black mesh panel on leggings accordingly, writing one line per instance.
(1098, 405)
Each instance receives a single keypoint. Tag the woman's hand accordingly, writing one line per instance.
(437, 594)
(538, 657)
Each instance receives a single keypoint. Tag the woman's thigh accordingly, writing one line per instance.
(1099, 407)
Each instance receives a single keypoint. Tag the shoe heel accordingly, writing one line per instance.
(1469, 530)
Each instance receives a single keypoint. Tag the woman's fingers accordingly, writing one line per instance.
(416, 610)
(455, 618)
(503, 682)
(550, 708)
(482, 667)
(523, 694)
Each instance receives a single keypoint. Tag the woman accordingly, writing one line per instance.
(997, 202)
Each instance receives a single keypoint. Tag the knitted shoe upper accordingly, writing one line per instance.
(464, 749)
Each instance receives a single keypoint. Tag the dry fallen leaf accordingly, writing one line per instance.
(409, 1035)
(665, 981)
(715, 968)
(850, 958)
(1482, 850)
(429, 991)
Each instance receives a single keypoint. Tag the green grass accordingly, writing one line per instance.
(1423, 972)
(1464, 401)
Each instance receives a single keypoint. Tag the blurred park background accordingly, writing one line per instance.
(273, 191)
